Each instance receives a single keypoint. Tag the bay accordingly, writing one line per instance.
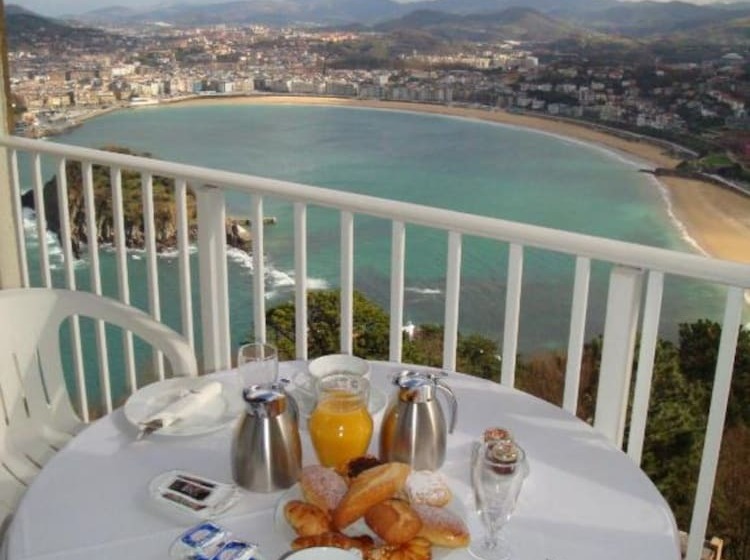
(466, 165)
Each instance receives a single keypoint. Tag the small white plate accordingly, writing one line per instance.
(359, 527)
(213, 415)
(324, 553)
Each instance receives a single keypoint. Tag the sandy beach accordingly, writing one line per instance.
(717, 219)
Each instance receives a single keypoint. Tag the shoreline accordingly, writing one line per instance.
(712, 219)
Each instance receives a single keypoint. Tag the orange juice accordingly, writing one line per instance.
(340, 428)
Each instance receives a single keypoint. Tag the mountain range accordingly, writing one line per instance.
(477, 20)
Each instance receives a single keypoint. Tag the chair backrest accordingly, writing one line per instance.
(37, 415)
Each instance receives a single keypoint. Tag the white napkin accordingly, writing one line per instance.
(186, 404)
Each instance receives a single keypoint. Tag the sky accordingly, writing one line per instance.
(54, 8)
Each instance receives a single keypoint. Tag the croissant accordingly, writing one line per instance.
(306, 519)
(416, 549)
(337, 540)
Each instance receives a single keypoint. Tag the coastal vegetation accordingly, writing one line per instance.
(718, 163)
(678, 409)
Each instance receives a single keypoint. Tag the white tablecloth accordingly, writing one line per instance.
(583, 499)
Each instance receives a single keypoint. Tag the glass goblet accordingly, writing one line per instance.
(257, 364)
(497, 474)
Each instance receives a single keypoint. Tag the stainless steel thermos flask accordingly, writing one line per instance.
(266, 450)
(414, 429)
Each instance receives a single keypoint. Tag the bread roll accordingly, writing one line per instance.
(416, 549)
(393, 521)
(428, 487)
(442, 527)
(307, 519)
(369, 488)
(322, 486)
(337, 540)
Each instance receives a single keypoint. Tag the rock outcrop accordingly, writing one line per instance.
(165, 219)
(238, 233)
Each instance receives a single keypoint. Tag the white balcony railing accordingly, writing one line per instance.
(636, 284)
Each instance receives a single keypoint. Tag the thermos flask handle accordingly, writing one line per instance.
(452, 402)
(283, 383)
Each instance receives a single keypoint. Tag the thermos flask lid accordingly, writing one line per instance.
(416, 386)
(409, 379)
(264, 401)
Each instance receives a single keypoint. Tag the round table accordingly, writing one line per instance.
(583, 499)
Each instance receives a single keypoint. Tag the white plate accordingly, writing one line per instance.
(214, 414)
(306, 400)
(359, 527)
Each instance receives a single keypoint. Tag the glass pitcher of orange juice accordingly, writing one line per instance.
(340, 425)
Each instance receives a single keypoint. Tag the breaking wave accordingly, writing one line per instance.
(424, 291)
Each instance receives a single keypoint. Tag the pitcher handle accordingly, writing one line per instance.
(451, 397)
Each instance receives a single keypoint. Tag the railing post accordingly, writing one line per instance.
(644, 374)
(212, 268)
(259, 270)
(347, 283)
(620, 326)
(452, 296)
(300, 276)
(512, 315)
(577, 333)
(398, 250)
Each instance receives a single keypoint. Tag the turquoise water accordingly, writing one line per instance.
(460, 164)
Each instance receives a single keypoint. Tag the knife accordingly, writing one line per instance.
(149, 427)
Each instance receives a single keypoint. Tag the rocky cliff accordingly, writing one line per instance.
(165, 219)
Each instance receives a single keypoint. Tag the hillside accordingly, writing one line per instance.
(25, 29)
(552, 7)
(513, 23)
(110, 14)
(735, 32)
(269, 12)
(643, 19)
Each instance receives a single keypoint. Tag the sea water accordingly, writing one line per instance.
(456, 163)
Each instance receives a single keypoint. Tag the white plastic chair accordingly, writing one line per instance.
(38, 417)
